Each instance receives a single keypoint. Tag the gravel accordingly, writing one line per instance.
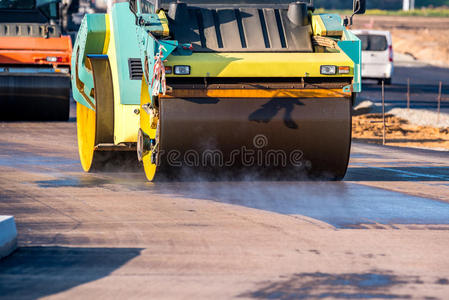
(420, 117)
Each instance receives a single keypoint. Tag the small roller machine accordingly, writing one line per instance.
(225, 88)
(34, 62)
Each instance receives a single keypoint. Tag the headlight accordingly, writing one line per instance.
(182, 70)
(328, 70)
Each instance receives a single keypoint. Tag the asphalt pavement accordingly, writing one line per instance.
(381, 233)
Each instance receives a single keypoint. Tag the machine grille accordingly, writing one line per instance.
(135, 68)
(29, 30)
(245, 29)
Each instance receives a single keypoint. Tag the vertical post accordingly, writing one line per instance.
(440, 88)
(406, 5)
(408, 93)
(157, 5)
(383, 112)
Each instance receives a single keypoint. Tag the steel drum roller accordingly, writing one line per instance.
(287, 137)
(43, 97)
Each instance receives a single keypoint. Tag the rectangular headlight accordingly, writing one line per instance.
(182, 70)
(328, 70)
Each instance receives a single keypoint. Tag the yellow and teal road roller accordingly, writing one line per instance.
(224, 87)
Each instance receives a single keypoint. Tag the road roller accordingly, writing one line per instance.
(224, 88)
(34, 61)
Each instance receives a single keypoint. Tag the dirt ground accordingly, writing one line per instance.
(398, 132)
(424, 38)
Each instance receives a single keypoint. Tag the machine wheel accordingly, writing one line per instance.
(58, 109)
(320, 144)
(147, 141)
(98, 160)
(62, 113)
(96, 127)
(34, 98)
(90, 159)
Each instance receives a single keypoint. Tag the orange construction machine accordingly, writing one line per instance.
(34, 61)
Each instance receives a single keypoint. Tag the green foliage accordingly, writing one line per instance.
(378, 4)
(429, 12)
(347, 4)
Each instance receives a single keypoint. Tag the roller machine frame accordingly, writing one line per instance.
(34, 62)
(261, 88)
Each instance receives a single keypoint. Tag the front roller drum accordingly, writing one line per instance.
(91, 160)
(93, 157)
(278, 138)
(95, 126)
(37, 97)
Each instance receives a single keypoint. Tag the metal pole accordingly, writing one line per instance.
(383, 112)
(406, 5)
(440, 88)
(408, 93)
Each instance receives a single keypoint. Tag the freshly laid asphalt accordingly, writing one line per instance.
(381, 233)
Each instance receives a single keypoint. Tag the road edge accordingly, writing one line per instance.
(415, 150)
(8, 236)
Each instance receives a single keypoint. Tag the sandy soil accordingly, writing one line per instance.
(424, 38)
(398, 132)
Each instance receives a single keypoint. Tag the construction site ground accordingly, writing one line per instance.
(419, 44)
(425, 38)
(398, 132)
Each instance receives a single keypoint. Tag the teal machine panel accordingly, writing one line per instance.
(125, 35)
(90, 40)
(352, 47)
(332, 22)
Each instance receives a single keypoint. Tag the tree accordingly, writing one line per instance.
(376, 4)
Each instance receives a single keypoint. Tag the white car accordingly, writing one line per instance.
(377, 54)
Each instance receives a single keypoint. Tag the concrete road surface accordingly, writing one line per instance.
(382, 233)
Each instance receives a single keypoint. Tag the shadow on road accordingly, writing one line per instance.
(35, 272)
(335, 286)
